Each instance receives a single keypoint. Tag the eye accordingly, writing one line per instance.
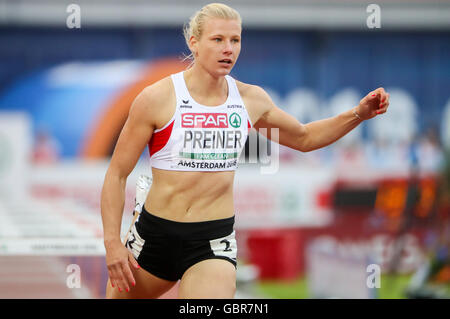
(235, 40)
(217, 39)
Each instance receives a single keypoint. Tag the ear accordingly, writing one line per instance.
(193, 45)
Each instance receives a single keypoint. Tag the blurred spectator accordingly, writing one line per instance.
(381, 153)
(430, 155)
(46, 149)
(350, 155)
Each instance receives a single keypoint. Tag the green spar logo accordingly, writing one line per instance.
(235, 120)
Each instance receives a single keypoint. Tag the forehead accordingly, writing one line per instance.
(222, 26)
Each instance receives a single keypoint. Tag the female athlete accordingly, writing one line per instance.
(196, 123)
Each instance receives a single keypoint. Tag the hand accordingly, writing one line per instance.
(118, 260)
(373, 104)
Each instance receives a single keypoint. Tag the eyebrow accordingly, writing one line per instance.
(221, 35)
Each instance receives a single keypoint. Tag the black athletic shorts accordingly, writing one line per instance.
(168, 248)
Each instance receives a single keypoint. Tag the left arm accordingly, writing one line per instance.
(317, 134)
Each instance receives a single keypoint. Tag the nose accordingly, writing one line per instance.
(228, 47)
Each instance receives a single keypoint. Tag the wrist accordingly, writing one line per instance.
(111, 241)
(356, 114)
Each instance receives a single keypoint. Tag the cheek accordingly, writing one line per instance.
(205, 51)
(237, 51)
(208, 54)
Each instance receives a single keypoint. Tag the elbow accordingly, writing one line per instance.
(304, 144)
(306, 149)
(115, 176)
(113, 183)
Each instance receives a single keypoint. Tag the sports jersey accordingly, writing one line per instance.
(200, 137)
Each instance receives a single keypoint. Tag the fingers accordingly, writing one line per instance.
(111, 279)
(121, 276)
(384, 104)
(382, 97)
(133, 261)
(372, 95)
(115, 276)
(379, 93)
(128, 276)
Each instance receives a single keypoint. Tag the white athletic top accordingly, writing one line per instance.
(200, 137)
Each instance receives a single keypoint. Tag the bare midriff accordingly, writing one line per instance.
(191, 196)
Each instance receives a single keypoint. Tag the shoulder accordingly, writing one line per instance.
(154, 102)
(253, 93)
(157, 93)
(250, 90)
(256, 99)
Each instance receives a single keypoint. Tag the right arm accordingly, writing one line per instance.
(135, 135)
(133, 138)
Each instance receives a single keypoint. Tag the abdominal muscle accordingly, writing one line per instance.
(191, 196)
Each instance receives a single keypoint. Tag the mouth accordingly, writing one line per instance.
(226, 61)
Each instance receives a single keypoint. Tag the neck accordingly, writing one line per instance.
(202, 83)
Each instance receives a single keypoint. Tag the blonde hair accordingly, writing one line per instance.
(196, 23)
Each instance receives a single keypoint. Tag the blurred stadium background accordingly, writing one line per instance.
(380, 195)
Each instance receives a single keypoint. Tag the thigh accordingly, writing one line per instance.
(207, 279)
(147, 286)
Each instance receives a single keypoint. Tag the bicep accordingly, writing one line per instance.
(281, 127)
(133, 138)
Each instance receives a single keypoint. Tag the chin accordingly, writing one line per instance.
(216, 71)
(221, 72)
(225, 72)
